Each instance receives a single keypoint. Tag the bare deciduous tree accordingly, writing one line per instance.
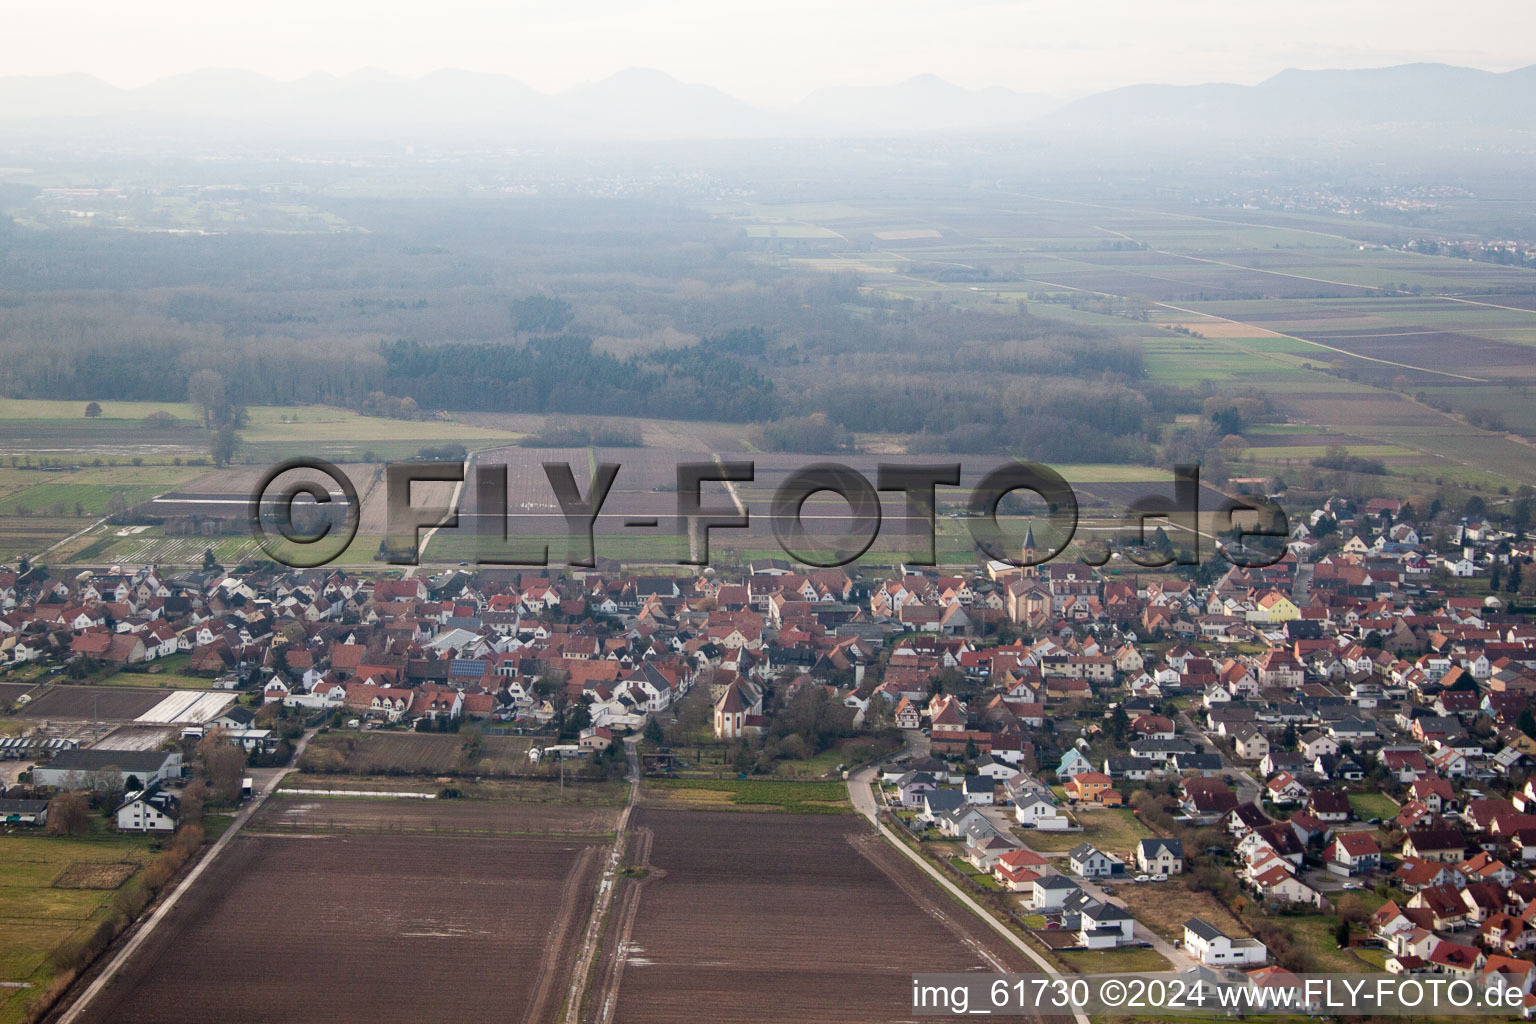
(69, 814)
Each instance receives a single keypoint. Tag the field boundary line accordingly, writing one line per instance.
(426, 539)
(1327, 348)
(628, 910)
(606, 884)
(555, 941)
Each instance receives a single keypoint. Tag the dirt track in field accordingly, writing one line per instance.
(790, 918)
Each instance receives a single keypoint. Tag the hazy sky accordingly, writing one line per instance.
(769, 53)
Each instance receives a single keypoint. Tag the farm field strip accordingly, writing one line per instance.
(487, 925)
(749, 915)
(87, 703)
(431, 753)
(289, 813)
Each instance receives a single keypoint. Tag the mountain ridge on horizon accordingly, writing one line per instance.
(645, 103)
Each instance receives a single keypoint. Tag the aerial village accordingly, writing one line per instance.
(1324, 765)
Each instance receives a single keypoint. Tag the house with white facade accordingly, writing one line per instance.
(149, 810)
(1215, 948)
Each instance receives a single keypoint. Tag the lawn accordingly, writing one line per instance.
(1314, 933)
(271, 423)
(47, 409)
(1112, 829)
(38, 917)
(1048, 842)
(1165, 906)
(174, 680)
(1126, 960)
(1376, 959)
(398, 752)
(708, 759)
(980, 879)
(1373, 805)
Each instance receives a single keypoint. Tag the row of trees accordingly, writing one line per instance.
(566, 374)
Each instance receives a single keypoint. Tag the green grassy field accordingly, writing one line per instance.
(48, 409)
(58, 498)
(1373, 805)
(751, 794)
(1112, 829)
(1114, 961)
(38, 917)
(1314, 933)
(1315, 451)
(163, 679)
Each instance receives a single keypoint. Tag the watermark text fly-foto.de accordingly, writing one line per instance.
(305, 512)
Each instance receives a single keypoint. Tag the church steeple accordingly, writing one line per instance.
(1029, 546)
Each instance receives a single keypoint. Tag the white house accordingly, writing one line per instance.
(1353, 853)
(978, 789)
(1104, 925)
(1463, 567)
(1035, 810)
(993, 768)
(1160, 856)
(1214, 948)
(150, 810)
(1088, 861)
(1051, 892)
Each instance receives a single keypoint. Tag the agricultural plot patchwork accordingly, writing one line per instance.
(639, 521)
(1338, 334)
(28, 535)
(87, 703)
(369, 926)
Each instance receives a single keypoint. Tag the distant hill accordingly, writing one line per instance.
(647, 104)
(644, 104)
(926, 103)
(1405, 94)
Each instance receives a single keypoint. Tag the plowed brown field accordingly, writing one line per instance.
(327, 925)
(789, 918)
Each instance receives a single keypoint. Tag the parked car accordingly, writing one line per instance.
(1160, 877)
(1143, 878)
(1352, 886)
